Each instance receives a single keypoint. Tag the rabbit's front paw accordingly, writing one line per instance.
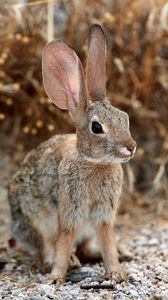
(56, 277)
(116, 275)
(55, 280)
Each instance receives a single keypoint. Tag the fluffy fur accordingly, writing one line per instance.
(73, 180)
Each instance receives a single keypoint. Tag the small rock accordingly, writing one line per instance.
(134, 293)
(79, 274)
(135, 283)
(38, 298)
(134, 277)
(159, 270)
(47, 289)
(9, 267)
(97, 279)
(106, 282)
(153, 242)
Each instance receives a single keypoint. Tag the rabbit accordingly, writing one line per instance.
(74, 179)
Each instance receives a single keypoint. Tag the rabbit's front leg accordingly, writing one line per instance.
(109, 253)
(63, 247)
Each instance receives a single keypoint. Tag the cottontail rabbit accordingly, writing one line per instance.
(74, 178)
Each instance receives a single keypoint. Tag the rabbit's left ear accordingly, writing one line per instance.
(63, 79)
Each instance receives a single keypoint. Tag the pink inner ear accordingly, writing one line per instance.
(74, 90)
(61, 75)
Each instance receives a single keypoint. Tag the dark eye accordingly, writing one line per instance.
(97, 128)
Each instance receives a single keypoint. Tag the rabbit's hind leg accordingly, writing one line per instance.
(46, 225)
(26, 237)
(48, 249)
(47, 252)
(88, 251)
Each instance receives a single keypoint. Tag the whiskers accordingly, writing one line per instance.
(106, 159)
(98, 161)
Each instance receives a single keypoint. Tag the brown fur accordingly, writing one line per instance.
(73, 181)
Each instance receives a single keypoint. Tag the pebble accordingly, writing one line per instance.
(134, 293)
(9, 267)
(153, 242)
(39, 298)
(79, 274)
(134, 277)
(47, 289)
(159, 270)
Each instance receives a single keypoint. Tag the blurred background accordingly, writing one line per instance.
(137, 80)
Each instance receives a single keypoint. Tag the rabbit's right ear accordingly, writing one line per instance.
(96, 63)
(63, 78)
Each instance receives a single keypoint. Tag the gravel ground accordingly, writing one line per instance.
(141, 233)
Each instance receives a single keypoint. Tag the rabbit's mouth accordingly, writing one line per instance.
(123, 157)
(119, 158)
(115, 155)
(125, 153)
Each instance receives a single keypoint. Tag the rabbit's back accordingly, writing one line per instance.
(34, 187)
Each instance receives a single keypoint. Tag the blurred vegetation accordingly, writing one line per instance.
(137, 75)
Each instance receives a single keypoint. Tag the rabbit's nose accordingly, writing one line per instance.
(132, 148)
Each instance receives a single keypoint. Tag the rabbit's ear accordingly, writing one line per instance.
(96, 63)
(63, 78)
